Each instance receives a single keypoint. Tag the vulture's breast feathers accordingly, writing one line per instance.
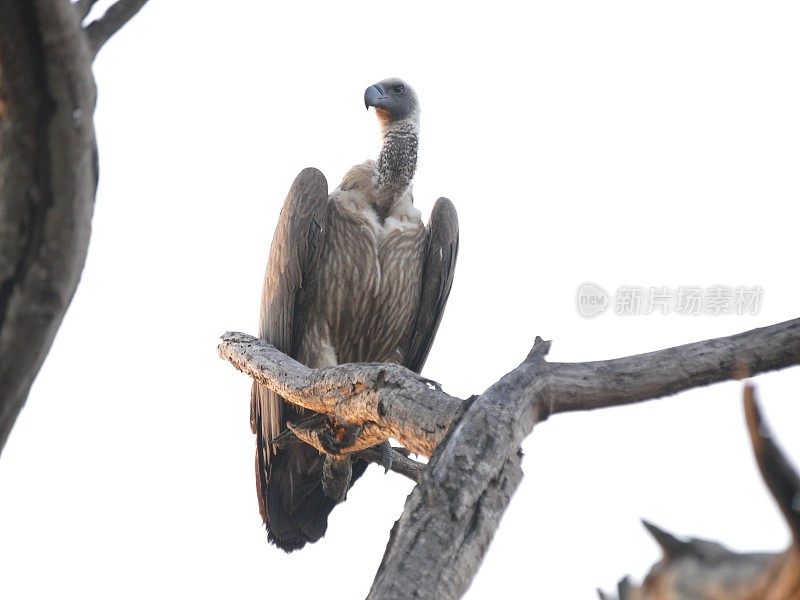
(377, 266)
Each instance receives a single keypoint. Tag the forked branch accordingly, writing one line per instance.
(450, 517)
(100, 31)
(48, 176)
(84, 7)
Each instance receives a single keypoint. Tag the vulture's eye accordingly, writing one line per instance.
(399, 89)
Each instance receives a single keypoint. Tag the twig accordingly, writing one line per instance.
(401, 463)
(84, 7)
(100, 31)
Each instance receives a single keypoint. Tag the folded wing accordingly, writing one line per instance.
(288, 480)
(437, 279)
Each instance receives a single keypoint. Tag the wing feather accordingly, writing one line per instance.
(299, 237)
(437, 279)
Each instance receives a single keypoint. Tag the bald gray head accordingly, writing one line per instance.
(394, 100)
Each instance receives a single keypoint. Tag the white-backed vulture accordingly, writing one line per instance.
(352, 276)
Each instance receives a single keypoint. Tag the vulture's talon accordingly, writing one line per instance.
(287, 438)
(386, 456)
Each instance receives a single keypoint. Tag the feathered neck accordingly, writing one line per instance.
(396, 164)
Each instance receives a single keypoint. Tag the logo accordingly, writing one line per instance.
(592, 300)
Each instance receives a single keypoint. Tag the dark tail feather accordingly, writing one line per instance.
(294, 507)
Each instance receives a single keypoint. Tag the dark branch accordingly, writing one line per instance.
(704, 569)
(401, 463)
(84, 7)
(100, 31)
(670, 545)
(48, 177)
(601, 384)
(778, 474)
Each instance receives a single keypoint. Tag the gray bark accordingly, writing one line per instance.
(379, 400)
(400, 462)
(48, 180)
(450, 518)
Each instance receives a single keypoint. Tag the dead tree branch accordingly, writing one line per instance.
(48, 174)
(701, 569)
(779, 475)
(383, 400)
(48, 180)
(100, 31)
(601, 384)
(84, 7)
(401, 464)
(450, 518)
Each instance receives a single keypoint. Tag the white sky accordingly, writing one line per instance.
(624, 143)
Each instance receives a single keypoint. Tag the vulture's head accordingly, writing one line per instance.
(394, 101)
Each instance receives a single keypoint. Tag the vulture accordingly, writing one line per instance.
(353, 276)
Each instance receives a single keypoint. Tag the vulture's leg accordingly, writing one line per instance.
(336, 474)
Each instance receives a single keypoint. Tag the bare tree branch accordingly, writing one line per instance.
(450, 518)
(48, 177)
(84, 7)
(100, 31)
(697, 568)
(601, 384)
(401, 464)
(391, 401)
(386, 401)
(779, 475)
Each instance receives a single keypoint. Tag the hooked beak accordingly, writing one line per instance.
(374, 95)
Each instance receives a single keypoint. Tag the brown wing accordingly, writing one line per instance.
(286, 479)
(437, 279)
